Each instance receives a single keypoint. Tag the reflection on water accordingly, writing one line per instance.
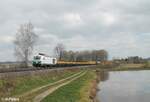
(126, 86)
(104, 75)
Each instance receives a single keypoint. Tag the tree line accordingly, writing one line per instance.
(87, 55)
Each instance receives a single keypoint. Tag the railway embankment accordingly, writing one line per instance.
(36, 71)
(14, 86)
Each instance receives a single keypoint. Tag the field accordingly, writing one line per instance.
(123, 67)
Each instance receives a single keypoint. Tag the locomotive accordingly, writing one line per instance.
(43, 60)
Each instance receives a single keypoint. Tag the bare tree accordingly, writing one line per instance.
(94, 55)
(24, 42)
(102, 55)
(59, 50)
(68, 56)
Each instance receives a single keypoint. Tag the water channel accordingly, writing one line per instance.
(124, 86)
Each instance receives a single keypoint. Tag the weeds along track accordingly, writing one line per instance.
(30, 71)
(40, 68)
(26, 97)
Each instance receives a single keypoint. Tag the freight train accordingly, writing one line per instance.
(43, 60)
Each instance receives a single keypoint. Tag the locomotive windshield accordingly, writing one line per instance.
(37, 57)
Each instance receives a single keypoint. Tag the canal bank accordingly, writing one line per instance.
(94, 87)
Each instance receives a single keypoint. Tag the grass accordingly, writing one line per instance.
(20, 85)
(36, 81)
(30, 97)
(126, 67)
(73, 92)
(1, 83)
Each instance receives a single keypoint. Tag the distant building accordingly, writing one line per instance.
(132, 59)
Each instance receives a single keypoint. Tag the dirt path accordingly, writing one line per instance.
(50, 84)
(41, 96)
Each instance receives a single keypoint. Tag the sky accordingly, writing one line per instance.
(122, 27)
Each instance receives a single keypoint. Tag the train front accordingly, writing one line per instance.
(36, 61)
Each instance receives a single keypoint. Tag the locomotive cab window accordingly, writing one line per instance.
(53, 60)
(37, 57)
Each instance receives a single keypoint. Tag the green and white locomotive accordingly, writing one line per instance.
(43, 60)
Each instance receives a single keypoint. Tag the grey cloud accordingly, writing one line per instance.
(96, 24)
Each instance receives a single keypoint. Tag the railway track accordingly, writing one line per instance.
(17, 70)
(42, 68)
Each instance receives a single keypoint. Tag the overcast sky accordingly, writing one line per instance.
(122, 27)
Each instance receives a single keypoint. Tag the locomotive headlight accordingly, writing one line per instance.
(36, 62)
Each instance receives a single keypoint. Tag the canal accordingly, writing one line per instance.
(124, 86)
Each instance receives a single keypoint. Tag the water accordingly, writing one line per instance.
(125, 86)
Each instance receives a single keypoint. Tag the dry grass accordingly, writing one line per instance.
(89, 88)
(132, 65)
